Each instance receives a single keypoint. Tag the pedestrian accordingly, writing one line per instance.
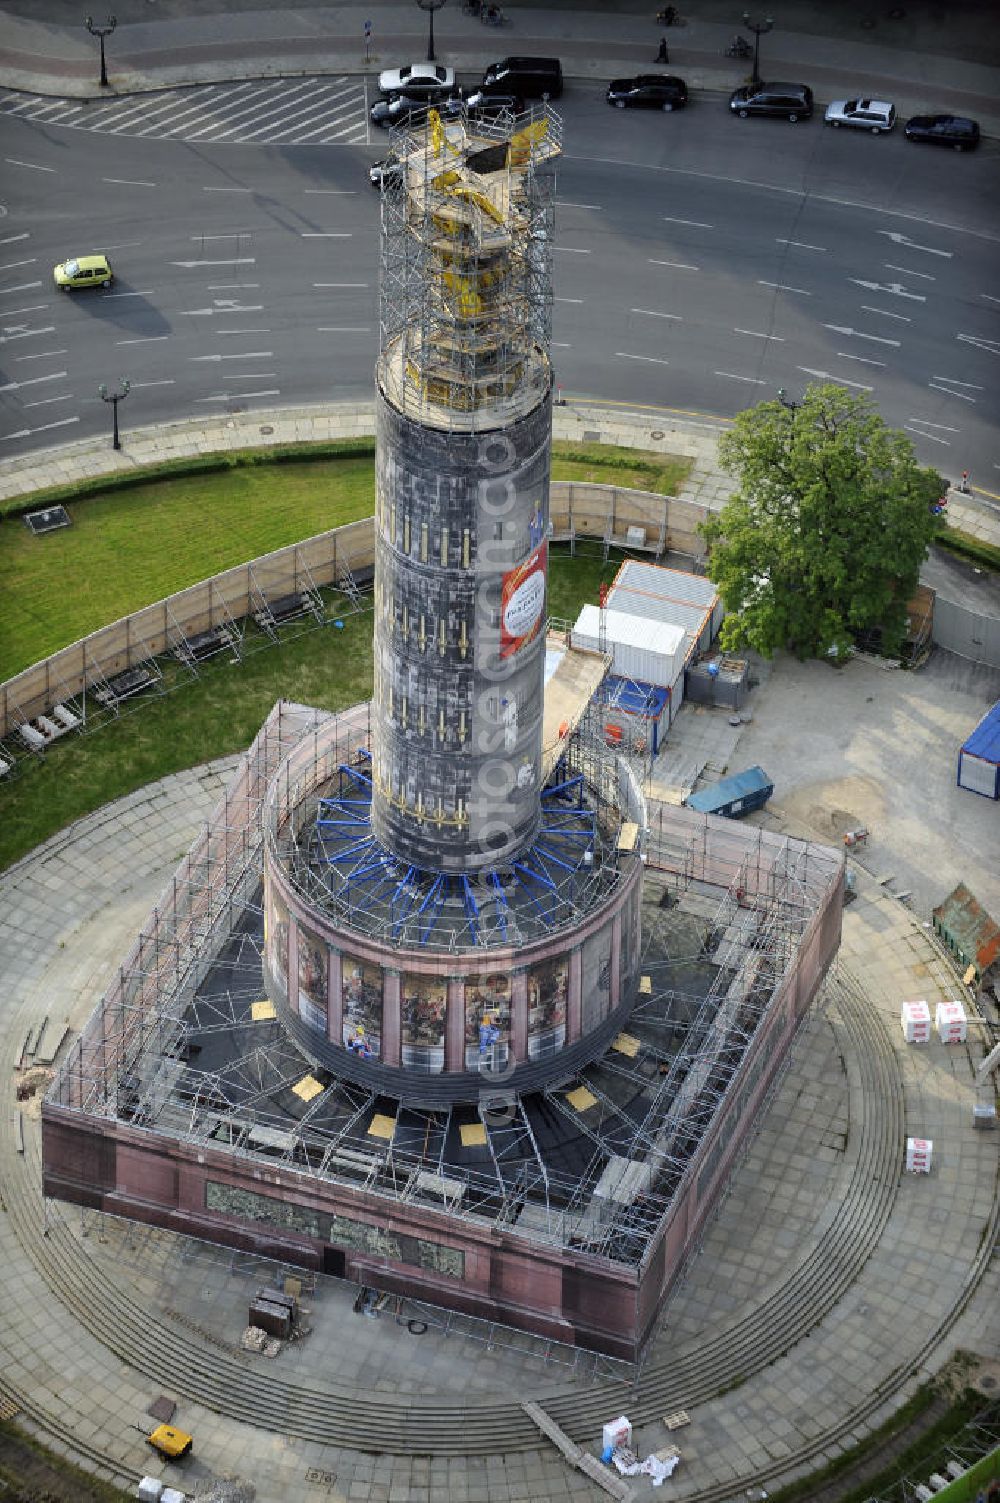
(661, 56)
(964, 485)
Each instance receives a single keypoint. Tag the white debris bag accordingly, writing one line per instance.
(617, 1433)
(950, 1022)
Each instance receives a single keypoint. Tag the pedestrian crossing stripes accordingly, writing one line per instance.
(294, 112)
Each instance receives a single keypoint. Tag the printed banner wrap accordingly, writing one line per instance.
(522, 602)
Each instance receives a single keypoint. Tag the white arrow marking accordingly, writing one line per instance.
(896, 288)
(236, 308)
(250, 355)
(912, 245)
(783, 287)
(875, 338)
(839, 380)
(989, 345)
(234, 261)
(884, 313)
(908, 271)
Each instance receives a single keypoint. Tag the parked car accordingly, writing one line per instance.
(402, 107)
(416, 79)
(650, 91)
(385, 173)
(956, 131)
(531, 77)
(875, 115)
(83, 271)
(790, 101)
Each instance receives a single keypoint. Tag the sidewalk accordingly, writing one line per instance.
(834, 52)
(664, 432)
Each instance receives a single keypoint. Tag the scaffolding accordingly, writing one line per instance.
(184, 1044)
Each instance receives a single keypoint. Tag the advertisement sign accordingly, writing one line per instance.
(522, 602)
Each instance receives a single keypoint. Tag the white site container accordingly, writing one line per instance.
(915, 1020)
(150, 1490)
(617, 1433)
(918, 1155)
(648, 652)
(951, 1022)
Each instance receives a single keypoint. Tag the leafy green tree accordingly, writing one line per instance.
(827, 529)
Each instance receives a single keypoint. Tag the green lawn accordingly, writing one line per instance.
(638, 469)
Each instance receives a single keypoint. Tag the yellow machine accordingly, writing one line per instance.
(170, 1442)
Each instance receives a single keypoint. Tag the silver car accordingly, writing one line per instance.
(416, 79)
(875, 115)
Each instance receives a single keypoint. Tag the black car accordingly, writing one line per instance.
(789, 101)
(403, 107)
(649, 91)
(955, 131)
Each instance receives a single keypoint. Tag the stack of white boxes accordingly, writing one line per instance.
(950, 1022)
(915, 1019)
(918, 1155)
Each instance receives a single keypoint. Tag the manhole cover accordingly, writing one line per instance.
(657, 433)
(267, 427)
(592, 436)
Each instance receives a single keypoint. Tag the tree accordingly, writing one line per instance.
(827, 529)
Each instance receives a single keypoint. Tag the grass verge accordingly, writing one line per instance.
(638, 469)
(987, 555)
(29, 1472)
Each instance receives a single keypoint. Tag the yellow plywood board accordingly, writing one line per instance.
(628, 837)
(581, 1099)
(382, 1126)
(473, 1135)
(626, 1044)
(567, 695)
(645, 986)
(261, 1011)
(308, 1088)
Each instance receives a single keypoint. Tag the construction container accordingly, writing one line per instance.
(915, 1021)
(275, 1319)
(734, 796)
(635, 716)
(649, 652)
(718, 681)
(979, 758)
(672, 595)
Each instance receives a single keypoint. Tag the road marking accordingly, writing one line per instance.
(558, 345)
(903, 318)
(651, 359)
(32, 381)
(932, 436)
(900, 239)
(752, 334)
(571, 250)
(928, 424)
(328, 235)
(946, 389)
(991, 346)
(35, 166)
(207, 312)
(799, 244)
(751, 380)
(230, 261)
(232, 286)
(333, 192)
(171, 382)
(343, 328)
(647, 312)
(875, 338)
(234, 396)
(228, 235)
(28, 308)
(864, 359)
(783, 287)
(10, 239)
(570, 300)
(988, 296)
(348, 284)
(22, 287)
(145, 292)
(225, 333)
(953, 382)
(829, 376)
(696, 224)
(28, 334)
(48, 401)
(129, 182)
(677, 265)
(564, 203)
(896, 288)
(39, 354)
(207, 189)
(144, 339)
(249, 355)
(925, 275)
(45, 427)
(11, 265)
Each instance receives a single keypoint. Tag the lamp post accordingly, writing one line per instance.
(786, 400)
(759, 29)
(114, 397)
(101, 32)
(430, 6)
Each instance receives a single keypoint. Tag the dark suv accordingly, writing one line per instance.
(789, 101)
(955, 131)
(651, 91)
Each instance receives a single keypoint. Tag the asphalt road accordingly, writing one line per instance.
(700, 263)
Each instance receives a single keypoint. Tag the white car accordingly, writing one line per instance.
(417, 79)
(875, 115)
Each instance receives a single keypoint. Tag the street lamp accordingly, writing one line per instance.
(114, 397)
(759, 29)
(430, 6)
(786, 400)
(101, 32)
